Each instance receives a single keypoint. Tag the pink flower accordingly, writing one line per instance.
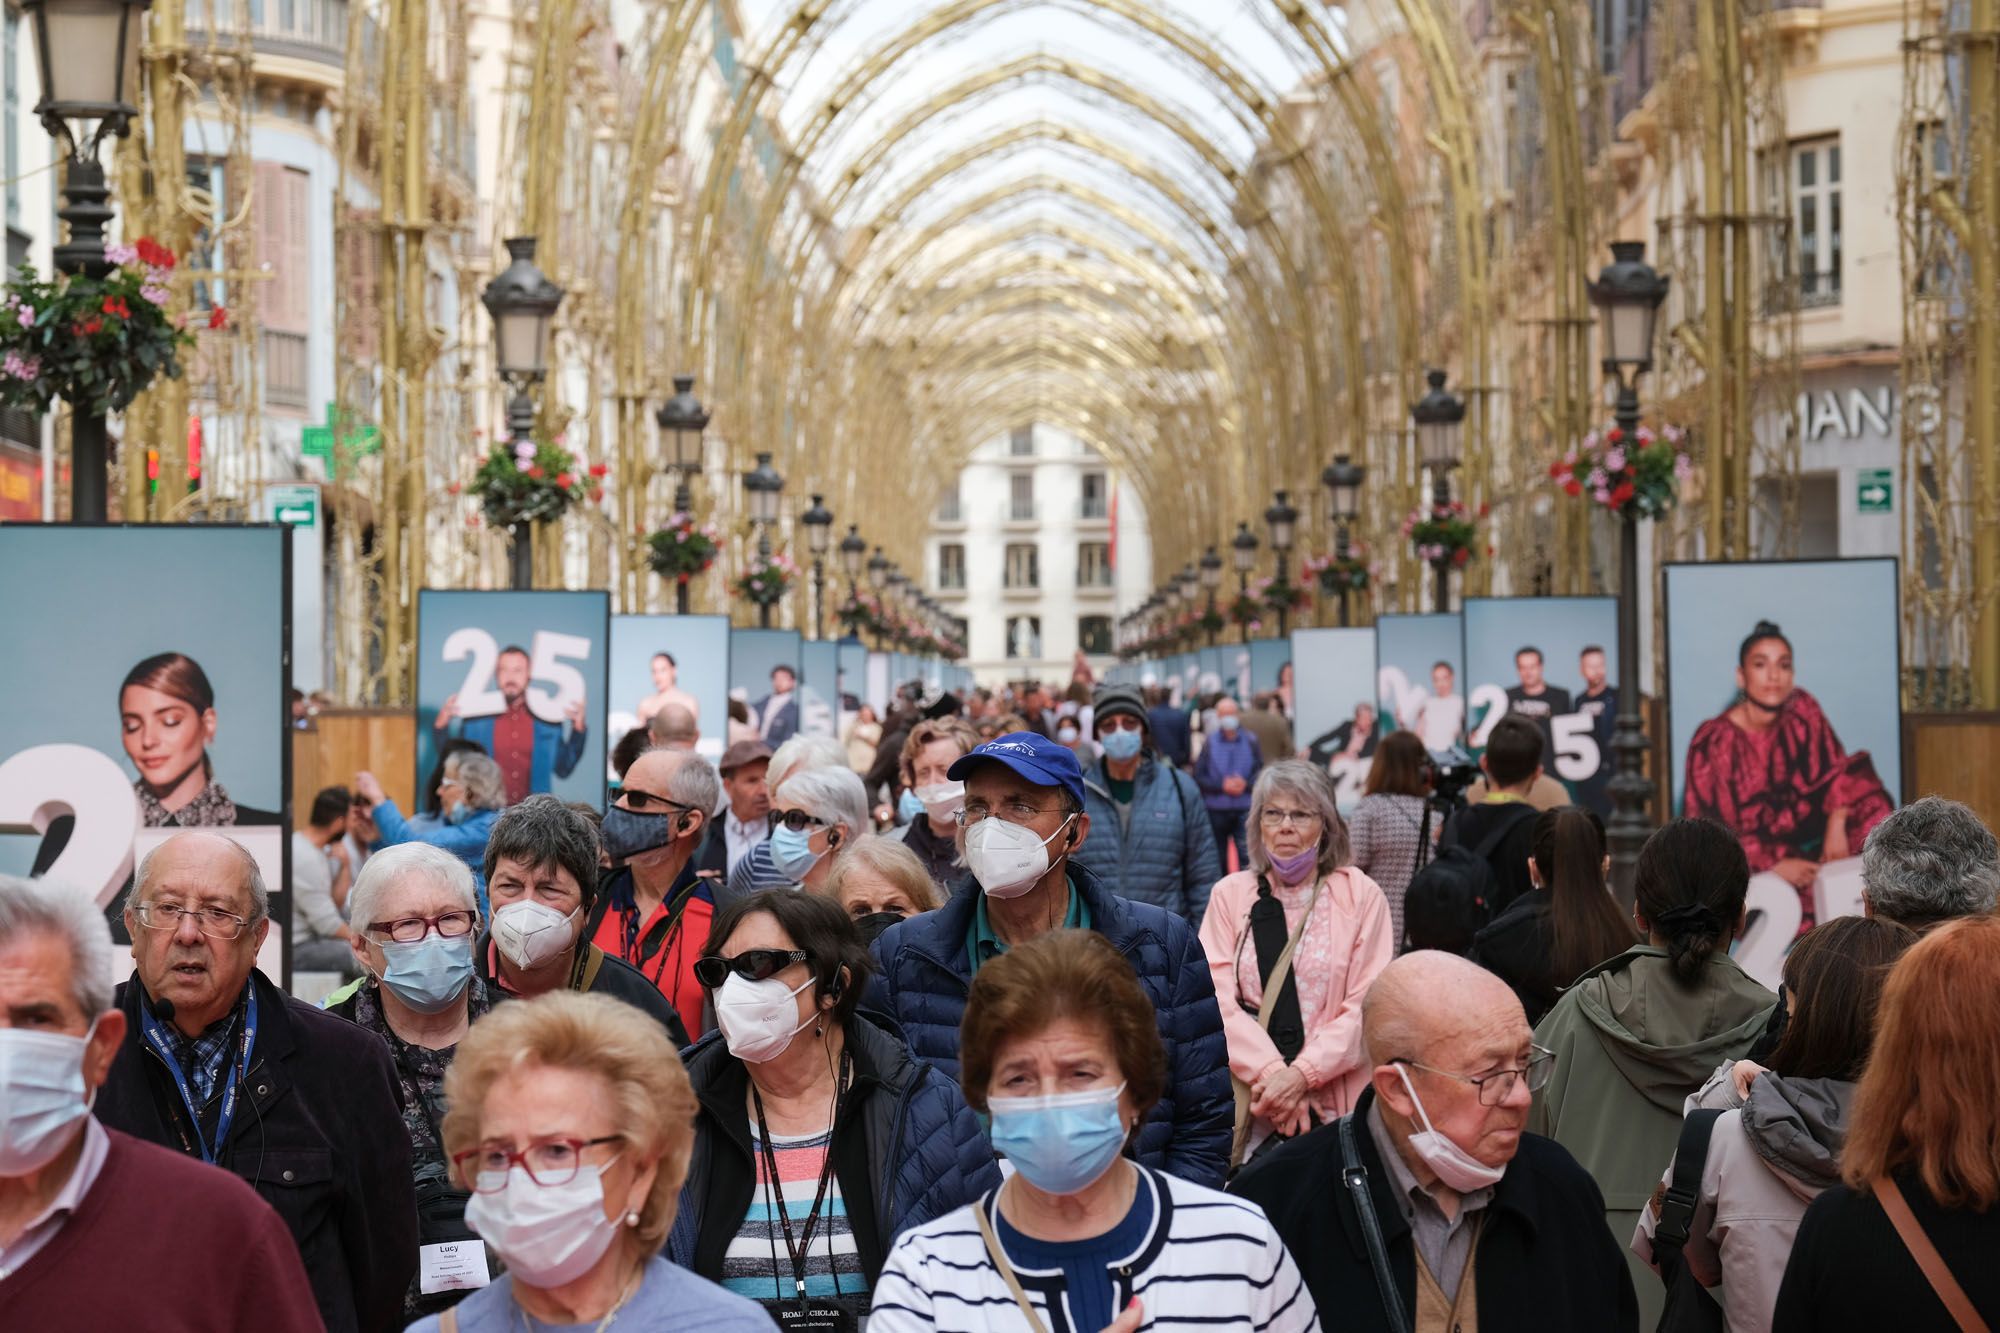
(1683, 467)
(524, 452)
(1596, 480)
(26, 317)
(154, 293)
(1615, 461)
(118, 256)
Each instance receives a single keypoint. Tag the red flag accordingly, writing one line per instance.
(1111, 556)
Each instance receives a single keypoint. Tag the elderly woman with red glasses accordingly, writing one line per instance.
(819, 1138)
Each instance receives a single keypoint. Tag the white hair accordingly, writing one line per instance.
(802, 752)
(485, 786)
(833, 794)
(54, 909)
(384, 870)
(253, 877)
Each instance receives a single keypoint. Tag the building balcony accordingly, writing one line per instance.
(314, 30)
(949, 514)
(1092, 512)
(949, 591)
(1022, 590)
(1020, 514)
(287, 374)
(1095, 588)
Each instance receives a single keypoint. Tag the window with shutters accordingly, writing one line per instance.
(1024, 566)
(951, 566)
(1093, 634)
(205, 185)
(1093, 564)
(1095, 502)
(1021, 442)
(1021, 497)
(283, 304)
(359, 277)
(1816, 220)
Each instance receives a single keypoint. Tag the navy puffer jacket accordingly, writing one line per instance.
(1166, 854)
(925, 974)
(906, 1149)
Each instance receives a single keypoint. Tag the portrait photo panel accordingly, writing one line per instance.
(1419, 677)
(135, 716)
(753, 655)
(657, 660)
(1784, 722)
(525, 676)
(1554, 661)
(1336, 681)
(1268, 660)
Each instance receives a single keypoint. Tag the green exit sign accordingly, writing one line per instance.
(1875, 490)
(297, 506)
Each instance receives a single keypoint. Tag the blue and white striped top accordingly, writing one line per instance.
(757, 1264)
(1207, 1258)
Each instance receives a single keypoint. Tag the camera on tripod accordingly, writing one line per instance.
(1448, 773)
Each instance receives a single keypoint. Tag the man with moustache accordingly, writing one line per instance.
(531, 753)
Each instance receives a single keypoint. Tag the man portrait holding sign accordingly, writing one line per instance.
(1534, 698)
(531, 752)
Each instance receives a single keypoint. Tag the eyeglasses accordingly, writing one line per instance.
(550, 1162)
(751, 965)
(643, 802)
(1014, 812)
(1496, 1087)
(1271, 818)
(210, 921)
(410, 929)
(798, 821)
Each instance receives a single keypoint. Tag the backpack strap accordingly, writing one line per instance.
(1355, 1176)
(1683, 1191)
(1936, 1272)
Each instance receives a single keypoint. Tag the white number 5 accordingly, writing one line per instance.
(1577, 755)
(547, 664)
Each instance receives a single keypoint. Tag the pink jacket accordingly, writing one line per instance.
(1346, 944)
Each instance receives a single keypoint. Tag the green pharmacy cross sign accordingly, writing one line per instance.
(355, 441)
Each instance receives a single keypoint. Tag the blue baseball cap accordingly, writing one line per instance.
(1030, 754)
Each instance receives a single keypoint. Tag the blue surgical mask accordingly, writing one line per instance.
(1229, 722)
(1059, 1143)
(792, 853)
(458, 813)
(429, 974)
(1122, 744)
(908, 807)
(42, 1095)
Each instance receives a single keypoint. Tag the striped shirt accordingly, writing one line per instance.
(757, 1263)
(757, 872)
(1207, 1259)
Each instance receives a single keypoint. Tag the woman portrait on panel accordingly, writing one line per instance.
(166, 712)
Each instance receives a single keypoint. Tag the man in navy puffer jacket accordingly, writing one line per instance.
(1023, 817)
(1150, 837)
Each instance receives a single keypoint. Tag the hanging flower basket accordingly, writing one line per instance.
(1442, 534)
(683, 548)
(1277, 596)
(860, 614)
(1640, 474)
(765, 580)
(1211, 622)
(96, 343)
(1334, 573)
(534, 481)
(1246, 612)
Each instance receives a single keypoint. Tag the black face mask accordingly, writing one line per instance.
(872, 925)
(628, 834)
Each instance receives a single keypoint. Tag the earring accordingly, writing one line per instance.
(632, 1219)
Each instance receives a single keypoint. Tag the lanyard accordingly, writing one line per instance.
(797, 1250)
(668, 936)
(239, 1069)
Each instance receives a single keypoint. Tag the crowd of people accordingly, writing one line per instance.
(1078, 1012)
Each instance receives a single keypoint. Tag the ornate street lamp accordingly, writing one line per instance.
(853, 555)
(1211, 579)
(88, 55)
(1190, 583)
(1440, 419)
(522, 302)
(1627, 294)
(818, 522)
(1282, 518)
(1244, 552)
(762, 489)
(1342, 479)
(681, 420)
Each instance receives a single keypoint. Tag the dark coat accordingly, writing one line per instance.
(1172, 736)
(925, 976)
(619, 980)
(318, 1132)
(1518, 946)
(1545, 1263)
(1165, 855)
(908, 1149)
(1509, 859)
(1850, 1270)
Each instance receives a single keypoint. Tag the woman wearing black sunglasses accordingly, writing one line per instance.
(807, 1104)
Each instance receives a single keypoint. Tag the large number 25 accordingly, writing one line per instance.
(478, 698)
(40, 785)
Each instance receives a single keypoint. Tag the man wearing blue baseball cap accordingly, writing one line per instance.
(1022, 819)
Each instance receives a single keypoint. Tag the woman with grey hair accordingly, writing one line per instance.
(472, 794)
(1293, 944)
(416, 918)
(814, 815)
(756, 870)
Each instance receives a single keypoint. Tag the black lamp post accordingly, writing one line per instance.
(681, 420)
(762, 488)
(818, 522)
(1211, 579)
(1627, 294)
(1342, 479)
(1190, 584)
(1440, 417)
(522, 302)
(853, 555)
(87, 52)
(1282, 518)
(1244, 553)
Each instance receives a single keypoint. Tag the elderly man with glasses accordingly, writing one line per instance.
(1430, 1206)
(220, 1064)
(1021, 823)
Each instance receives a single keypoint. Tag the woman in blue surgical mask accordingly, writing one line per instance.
(415, 918)
(1061, 1052)
(816, 815)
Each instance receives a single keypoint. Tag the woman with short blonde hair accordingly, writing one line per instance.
(571, 1122)
(878, 879)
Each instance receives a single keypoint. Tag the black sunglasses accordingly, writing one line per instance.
(798, 821)
(645, 802)
(751, 965)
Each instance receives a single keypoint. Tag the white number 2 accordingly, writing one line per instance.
(39, 785)
(478, 698)
(1493, 700)
(1577, 755)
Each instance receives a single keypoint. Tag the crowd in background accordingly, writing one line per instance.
(1082, 1009)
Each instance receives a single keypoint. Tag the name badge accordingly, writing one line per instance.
(452, 1265)
(822, 1315)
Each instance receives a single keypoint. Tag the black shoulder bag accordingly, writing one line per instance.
(1355, 1177)
(1689, 1308)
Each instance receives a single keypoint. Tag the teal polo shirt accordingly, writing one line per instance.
(983, 946)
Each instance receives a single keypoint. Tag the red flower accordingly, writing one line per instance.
(1622, 496)
(596, 494)
(90, 326)
(115, 305)
(564, 480)
(1460, 556)
(1573, 486)
(472, 520)
(152, 254)
(535, 471)
(599, 469)
(1484, 509)
(1556, 468)
(1615, 434)
(453, 489)
(218, 317)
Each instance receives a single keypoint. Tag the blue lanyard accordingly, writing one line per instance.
(156, 1037)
